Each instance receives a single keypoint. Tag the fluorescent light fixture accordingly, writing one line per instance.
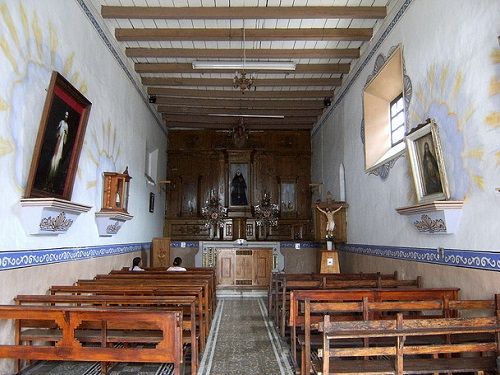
(232, 115)
(248, 65)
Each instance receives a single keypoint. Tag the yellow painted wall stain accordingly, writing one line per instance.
(458, 83)
(3, 105)
(494, 88)
(6, 147)
(37, 33)
(8, 54)
(53, 42)
(495, 56)
(476, 153)
(10, 24)
(479, 181)
(493, 120)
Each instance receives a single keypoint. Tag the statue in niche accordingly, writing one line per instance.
(238, 190)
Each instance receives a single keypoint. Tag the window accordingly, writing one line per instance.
(384, 113)
(397, 120)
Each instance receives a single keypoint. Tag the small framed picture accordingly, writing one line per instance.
(151, 202)
(427, 163)
(59, 141)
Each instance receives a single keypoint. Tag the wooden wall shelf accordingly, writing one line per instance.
(438, 217)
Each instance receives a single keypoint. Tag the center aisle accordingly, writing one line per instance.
(243, 341)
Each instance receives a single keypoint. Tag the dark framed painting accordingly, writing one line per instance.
(151, 202)
(427, 163)
(59, 141)
(239, 184)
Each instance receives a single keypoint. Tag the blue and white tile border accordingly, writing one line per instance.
(484, 260)
(28, 258)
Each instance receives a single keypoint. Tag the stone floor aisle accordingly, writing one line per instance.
(243, 341)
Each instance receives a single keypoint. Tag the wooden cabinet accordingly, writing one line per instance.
(244, 267)
(160, 253)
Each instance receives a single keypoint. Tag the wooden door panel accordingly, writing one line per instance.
(262, 267)
(225, 267)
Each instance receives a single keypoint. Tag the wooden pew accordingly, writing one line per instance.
(327, 283)
(148, 302)
(159, 283)
(187, 277)
(111, 325)
(369, 310)
(137, 290)
(400, 330)
(297, 297)
(277, 278)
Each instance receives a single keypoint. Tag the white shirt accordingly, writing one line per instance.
(136, 268)
(176, 268)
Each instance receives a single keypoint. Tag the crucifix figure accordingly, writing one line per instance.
(330, 224)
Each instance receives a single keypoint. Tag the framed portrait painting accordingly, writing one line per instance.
(59, 141)
(239, 184)
(427, 163)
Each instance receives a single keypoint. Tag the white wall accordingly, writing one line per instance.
(451, 53)
(38, 37)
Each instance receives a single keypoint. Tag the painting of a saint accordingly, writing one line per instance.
(59, 141)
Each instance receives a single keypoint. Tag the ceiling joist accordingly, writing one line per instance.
(232, 112)
(191, 93)
(188, 68)
(262, 125)
(227, 103)
(232, 120)
(204, 53)
(152, 34)
(196, 13)
(225, 82)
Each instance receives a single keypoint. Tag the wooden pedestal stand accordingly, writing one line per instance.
(329, 261)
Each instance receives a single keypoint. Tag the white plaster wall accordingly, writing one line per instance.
(56, 35)
(451, 53)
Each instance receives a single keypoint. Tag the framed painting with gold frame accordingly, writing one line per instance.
(427, 163)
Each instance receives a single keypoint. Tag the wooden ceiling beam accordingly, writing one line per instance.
(221, 126)
(239, 104)
(225, 82)
(154, 34)
(232, 120)
(191, 93)
(196, 13)
(233, 112)
(205, 53)
(188, 68)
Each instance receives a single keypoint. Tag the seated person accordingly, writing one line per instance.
(136, 264)
(176, 265)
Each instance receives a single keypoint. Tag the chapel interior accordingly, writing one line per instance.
(324, 176)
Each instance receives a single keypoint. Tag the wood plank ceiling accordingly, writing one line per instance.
(164, 37)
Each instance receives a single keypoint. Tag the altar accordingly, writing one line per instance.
(241, 264)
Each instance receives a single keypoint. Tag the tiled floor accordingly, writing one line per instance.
(242, 341)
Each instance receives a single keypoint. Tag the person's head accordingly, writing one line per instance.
(66, 115)
(426, 146)
(238, 172)
(177, 261)
(136, 262)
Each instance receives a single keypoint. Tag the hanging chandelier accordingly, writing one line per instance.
(240, 80)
